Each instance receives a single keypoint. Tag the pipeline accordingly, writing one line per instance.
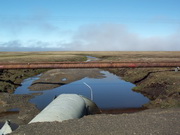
(65, 107)
(65, 65)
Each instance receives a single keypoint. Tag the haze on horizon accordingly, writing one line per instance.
(89, 25)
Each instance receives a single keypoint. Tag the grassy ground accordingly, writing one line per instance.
(11, 79)
(40, 57)
(80, 56)
(135, 56)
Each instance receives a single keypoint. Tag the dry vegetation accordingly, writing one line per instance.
(158, 84)
(161, 87)
(80, 56)
(13, 57)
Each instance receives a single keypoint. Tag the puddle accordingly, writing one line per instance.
(91, 58)
(109, 92)
(13, 109)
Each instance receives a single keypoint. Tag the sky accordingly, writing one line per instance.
(89, 25)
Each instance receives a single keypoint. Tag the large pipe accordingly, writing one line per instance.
(65, 107)
(59, 65)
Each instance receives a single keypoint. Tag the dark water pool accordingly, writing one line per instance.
(108, 93)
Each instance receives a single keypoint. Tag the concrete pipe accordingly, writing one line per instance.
(65, 107)
(91, 107)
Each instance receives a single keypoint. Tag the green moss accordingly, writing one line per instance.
(137, 88)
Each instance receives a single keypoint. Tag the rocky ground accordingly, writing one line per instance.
(149, 122)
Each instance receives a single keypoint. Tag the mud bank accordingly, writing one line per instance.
(17, 108)
(11, 79)
(57, 77)
(161, 85)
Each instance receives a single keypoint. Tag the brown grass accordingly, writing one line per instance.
(80, 56)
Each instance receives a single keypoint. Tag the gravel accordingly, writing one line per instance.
(148, 122)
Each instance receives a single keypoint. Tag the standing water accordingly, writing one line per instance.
(109, 92)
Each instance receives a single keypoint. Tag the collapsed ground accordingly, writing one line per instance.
(161, 85)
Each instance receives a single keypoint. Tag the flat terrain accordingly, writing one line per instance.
(12, 57)
(80, 56)
(161, 85)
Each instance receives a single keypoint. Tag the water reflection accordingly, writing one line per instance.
(58, 77)
(91, 58)
(109, 91)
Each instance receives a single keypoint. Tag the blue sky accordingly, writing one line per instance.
(89, 25)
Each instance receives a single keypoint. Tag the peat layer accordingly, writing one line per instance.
(160, 85)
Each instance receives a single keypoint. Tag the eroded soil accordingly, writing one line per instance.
(11, 79)
(161, 85)
(17, 108)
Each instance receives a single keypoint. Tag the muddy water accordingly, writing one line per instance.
(109, 91)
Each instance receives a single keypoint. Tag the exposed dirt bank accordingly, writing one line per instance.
(161, 85)
(11, 79)
(149, 122)
(16, 108)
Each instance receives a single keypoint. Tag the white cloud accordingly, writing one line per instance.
(19, 27)
(101, 37)
(30, 45)
(114, 37)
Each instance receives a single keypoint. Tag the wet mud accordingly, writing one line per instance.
(11, 79)
(17, 108)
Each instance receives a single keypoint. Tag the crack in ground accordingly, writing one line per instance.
(146, 76)
(9, 81)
